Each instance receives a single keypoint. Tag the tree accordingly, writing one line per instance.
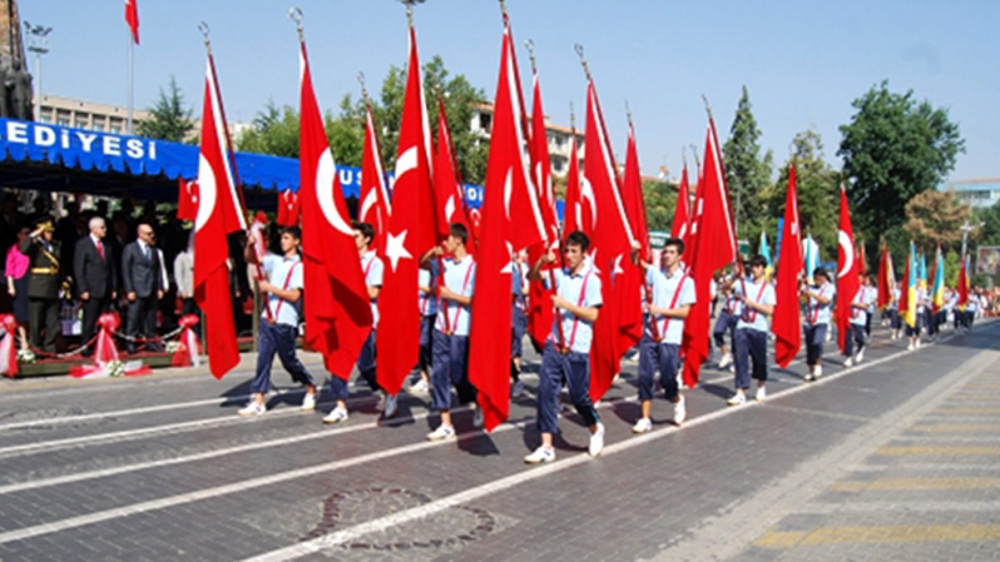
(816, 188)
(169, 120)
(894, 148)
(275, 131)
(660, 198)
(747, 173)
(936, 217)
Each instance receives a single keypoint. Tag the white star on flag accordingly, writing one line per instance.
(395, 248)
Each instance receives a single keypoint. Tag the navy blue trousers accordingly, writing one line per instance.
(451, 355)
(855, 336)
(725, 323)
(663, 356)
(574, 368)
(280, 339)
(750, 344)
(366, 367)
(815, 337)
(426, 342)
(518, 326)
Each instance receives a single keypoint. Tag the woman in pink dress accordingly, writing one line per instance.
(17, 283)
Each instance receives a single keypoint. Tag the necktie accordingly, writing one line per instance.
(100, 249)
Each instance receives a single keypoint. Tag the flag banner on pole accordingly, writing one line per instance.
(908, 294)
(410, 235)
(337, 310)
(540, 311)
(580, 211)
(132, 19)
(765, 251)
(848, 270)
(937, 290)
(635, 207)
(219, 213)
(187, 199)
(681, 228)
(448, 191)
(375, 205)
(288, 208)
(786, 324)
(886, 279)
(963, 284)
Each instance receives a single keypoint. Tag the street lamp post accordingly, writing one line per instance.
(38, 37)
(966, 228)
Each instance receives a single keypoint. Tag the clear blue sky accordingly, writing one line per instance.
(803, 62)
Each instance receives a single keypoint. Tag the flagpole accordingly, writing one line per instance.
(131, 83)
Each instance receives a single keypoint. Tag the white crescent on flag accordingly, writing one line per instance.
(368, 203)
(326, 172)
(587, 192)
(207, 192)
(847, 247)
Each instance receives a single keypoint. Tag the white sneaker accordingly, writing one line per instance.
(909, 347)
(518, 390)
(848, 363)
(252, 409)
(477, 418)
(918, 343)
(680, 411)
(644, 425)
(391, 407)
(596, 441)
(441, 433)
(725, 361)
(818, 372)
(811, 375)
(308, 402)
(761, 394)
(737, 399)
(336, 415)
(419, 387)
(860, 356)
(540, 455)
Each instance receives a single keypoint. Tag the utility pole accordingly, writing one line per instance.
(38, 43)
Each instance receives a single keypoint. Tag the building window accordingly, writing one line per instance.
(100, 123)
(485, 120)
(46, 116)
(62, 117)
(557, 165)
(81, 122)
(115, 125)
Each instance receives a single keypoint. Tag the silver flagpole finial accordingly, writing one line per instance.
(628, 113)
(296, 14)
(530, 45)
(583, 60)
(364, 88)
(206, 32)
(572, 117)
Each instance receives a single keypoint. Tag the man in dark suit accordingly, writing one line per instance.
(143, 284)
(96, 280)
(44, 279)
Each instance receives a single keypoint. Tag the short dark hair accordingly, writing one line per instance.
(821, 272)
(675, 242)
(292, 231)
(578, 238)
(458, 230)
(366, 230)
(758, 261)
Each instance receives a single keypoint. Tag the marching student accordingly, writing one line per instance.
(373, 269)
(895, 315)
(518, 324)
(857, 325)
(818, 300)
(566, 357)
(971, 310)
(913, 332)
(758, 298)
(870, 297)
(284, 291)
(672, 294)
(725, 323)
(451, 332)
(428, 304)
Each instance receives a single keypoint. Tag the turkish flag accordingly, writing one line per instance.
(507, 181)
(337, 311)
(410, 235)
(848, 269)
(132, 18)
(635, 207)
(540, 311)
(886, 279)
(962, 285)
(682, 216)
(448, 191)
(620, 320)
(219, 213)
(376, 205)
(288, 208)
(579, 211)
(786, 323)
(713, 249)
(187, 199)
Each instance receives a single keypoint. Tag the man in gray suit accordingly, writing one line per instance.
(143, 283)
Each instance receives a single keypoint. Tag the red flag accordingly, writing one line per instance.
(620, 320)
(714, 248)
(962, 288)
(578, 212)
(376, 206)
(507, 183)
(635, 207)
(288, 208)
(187, 199)
(337, 311)
(219, 213)
(540, 311)
(448, 191)
(682, 216)
(885, 281)
(410, 235)
(847, 271)
(786, 324)
(132, 18)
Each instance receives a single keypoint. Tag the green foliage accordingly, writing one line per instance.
(276, 130)
(952, 264)
(989, 234)
(169, 120)
(748, 175)
(816, 188)
(936, 217)
(661, 199)
(893, 149)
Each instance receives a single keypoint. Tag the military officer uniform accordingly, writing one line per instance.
(44, 280)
